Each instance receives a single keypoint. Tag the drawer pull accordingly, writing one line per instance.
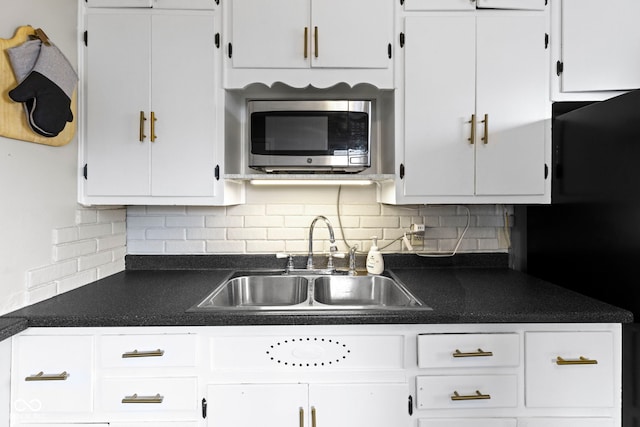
(301, 417)
(478, 353)
(136, 353)
(143, 399)
(41, 376)
(580, 361)
(477, 396)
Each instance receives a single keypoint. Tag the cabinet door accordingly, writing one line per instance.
(439, 102)
(359, 405)
(565, 422)
(461, 422)
(600, 45)
(512, 4)
(552, 383)
(183, 100)
(250, 405)
(270, 34)
(351, 33)
(52, 374)
(512, 94)
(118, 89)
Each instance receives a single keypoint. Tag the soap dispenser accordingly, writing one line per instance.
(375, 263)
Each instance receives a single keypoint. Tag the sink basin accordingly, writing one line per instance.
(287, 292)
(361, 291)
(258, 291)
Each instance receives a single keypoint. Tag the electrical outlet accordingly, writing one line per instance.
(417, 234)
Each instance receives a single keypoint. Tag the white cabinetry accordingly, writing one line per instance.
(337, 405)
(569, 369)
(400, 375)
(309, 42)
(152, 129)
(595, 48)
(52, 376)
(160, 4)
(475, 102)
(474, 4)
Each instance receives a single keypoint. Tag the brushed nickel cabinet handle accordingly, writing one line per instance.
(306, 42)
(313, 416)
(301, 417)
(143, 399)
(479, 353)
(477, 396)
(136, 353)
(579, 361)
(142, 136)
(41, 376)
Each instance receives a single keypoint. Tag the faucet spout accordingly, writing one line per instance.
(332, 240)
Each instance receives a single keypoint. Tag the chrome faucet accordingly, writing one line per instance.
(332, 240)
(352, 260)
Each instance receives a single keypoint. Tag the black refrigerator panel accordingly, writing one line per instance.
(596, 150)
(588, 239)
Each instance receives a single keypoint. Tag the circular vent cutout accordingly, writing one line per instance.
(308, 352)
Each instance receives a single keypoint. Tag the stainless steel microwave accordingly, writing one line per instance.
(309, 136)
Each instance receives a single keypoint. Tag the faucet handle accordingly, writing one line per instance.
(290, 265)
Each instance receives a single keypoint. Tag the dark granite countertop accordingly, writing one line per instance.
(157, 292)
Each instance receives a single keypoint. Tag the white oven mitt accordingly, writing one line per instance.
(47, 88)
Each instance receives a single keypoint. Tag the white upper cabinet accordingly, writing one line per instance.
(475, 101)
(474, 4)
(333, 41)
(596, 48)
(150, 133)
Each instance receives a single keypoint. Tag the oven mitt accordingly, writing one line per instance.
(47, 89)
(23, 58)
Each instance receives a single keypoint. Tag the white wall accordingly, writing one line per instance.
(43, 232)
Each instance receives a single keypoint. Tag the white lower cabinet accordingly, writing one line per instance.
(295, 405)
(379, 375)
(458, 422)
(52, 375)
(567, 422)
(569, 369)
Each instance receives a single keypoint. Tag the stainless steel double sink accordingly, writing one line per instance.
(272, 291)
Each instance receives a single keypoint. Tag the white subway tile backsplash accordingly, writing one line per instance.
(74, 250)
(184, 221)
(247, 233)
(50, 273)
(166, 234)
(94, 260)
(94, 230)
(94, 247)
(185, 247)
(224, 247)
(65, 235)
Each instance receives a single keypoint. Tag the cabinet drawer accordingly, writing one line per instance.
(120, 3)
(327, 352)
(466, 422)
(565, 422)
(157, 395)
(52, 374)
(468, 391)
(142, 351)
(468, 350)
(439, 5)
(570, 382)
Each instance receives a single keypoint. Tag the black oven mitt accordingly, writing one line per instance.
(46, 90)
